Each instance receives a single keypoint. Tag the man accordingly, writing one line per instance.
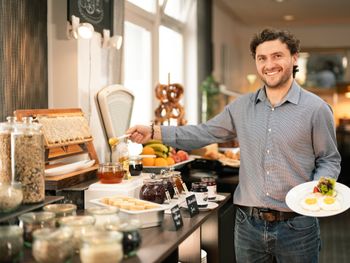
(286, 136)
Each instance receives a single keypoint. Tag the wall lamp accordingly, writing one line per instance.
(76, 30)
(111, 42)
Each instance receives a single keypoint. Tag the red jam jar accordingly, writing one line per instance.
(110, 173)
(211, 185)
(153, 190)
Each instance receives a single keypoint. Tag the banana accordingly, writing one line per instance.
(152, 142)
(160, 154)
(159, 147)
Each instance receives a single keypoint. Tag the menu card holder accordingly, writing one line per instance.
(177, 218)
(192, 205)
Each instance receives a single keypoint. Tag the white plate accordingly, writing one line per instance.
(218, 198)
(68, 168)
(211, 205)
(295, 195)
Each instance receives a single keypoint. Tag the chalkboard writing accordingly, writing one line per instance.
(176, 215)
(192, 205)
(99, 13)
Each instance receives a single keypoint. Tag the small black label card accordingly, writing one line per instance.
(176, 215)
(192, 205)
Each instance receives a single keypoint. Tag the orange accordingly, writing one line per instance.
(147, 150)
(170, 161)
(160, 162)
(148, 161)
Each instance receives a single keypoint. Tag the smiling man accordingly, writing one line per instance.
(286, 136)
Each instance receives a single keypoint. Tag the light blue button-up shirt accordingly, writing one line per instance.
(282, 146)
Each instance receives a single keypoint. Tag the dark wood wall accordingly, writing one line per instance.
(23, 55)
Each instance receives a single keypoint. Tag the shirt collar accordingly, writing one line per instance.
(292, 96)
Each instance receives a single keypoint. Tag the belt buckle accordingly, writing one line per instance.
(267, 215)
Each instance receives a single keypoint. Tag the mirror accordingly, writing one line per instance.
(324, 68)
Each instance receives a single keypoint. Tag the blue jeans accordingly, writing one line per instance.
(296, 240)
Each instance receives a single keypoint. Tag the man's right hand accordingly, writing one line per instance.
(140, 133)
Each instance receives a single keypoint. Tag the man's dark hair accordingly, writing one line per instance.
(270, 34)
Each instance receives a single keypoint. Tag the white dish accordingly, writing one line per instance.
(297, 193)
(68, 168)
(218, 198)
(211, 206)
(147, 218)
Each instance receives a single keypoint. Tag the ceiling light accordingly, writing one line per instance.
(288, 17)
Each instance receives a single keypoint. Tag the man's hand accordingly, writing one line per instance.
(140, 133)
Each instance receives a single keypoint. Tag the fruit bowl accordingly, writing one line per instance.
(157, 169)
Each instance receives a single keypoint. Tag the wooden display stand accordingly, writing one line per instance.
(59, 150)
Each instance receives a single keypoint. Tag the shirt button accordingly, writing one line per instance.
(273, 109)
(268, 151)
(267, 172)
(269, 130)
(267, 194)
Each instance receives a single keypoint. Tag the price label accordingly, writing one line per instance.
(192, 205)
(176, 215)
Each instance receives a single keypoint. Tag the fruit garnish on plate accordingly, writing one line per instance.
(325, 186)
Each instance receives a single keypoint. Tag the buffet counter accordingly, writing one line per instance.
(166, 244)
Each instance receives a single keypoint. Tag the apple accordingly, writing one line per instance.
(182, 154)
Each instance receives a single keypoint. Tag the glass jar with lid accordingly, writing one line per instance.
(135, 165)
(61, 210)
(153, 190)
(11, 243)
(104, 215)
(211, 185)
(27, 146)
(11, 196)
(121, 154)
(52, 245)
(200, 191)
(101, 246)
(131, 235)
(5, 150)
(168, 183)
(79, 225)
(33, 221)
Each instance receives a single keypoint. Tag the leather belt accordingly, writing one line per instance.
(267, 214)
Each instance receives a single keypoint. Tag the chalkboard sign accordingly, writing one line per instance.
(98, 13)
(192, 205)
(176, 215)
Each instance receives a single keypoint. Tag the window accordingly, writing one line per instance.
(154, 45)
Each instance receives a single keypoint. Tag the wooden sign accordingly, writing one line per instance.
(192, 205)
(98, 13)
(176, 215)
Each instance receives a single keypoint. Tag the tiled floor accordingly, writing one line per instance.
(335, 235)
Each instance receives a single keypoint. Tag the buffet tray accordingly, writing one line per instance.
(148, 218)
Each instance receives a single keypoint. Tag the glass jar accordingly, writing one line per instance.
(33, 221)
(131, 235)
(27, 145)
(135, 165)
(5, 150)
(79, 225)
(168, 184)
(101, 246)
(200, 190)
(177, 181)
(11, 244)
(61, 210)
(211, 185)
(52, 245)
(11, 196)
(153, 190)
(110, 173)
(121, 154)
(104, 215)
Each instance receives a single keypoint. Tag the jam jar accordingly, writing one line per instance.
(168, 184)
(110, 173)
(200, 190)
(47, 241)
(135, 165)
(131, 235)
(177, 180)
(211, 185)
(33, 221)
(153, 190)
(11, 244)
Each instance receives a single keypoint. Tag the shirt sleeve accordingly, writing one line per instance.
(327, 157)
(219, 129)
